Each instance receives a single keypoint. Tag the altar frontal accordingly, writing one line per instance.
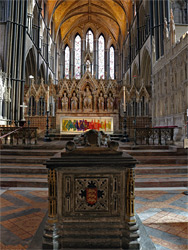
(77, 125)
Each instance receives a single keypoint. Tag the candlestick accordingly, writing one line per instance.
(124, 102)
(48, 101)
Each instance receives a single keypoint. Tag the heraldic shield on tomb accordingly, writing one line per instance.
(91, 194)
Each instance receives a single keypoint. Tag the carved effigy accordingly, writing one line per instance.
(87, 99)
(101, 102)
(110, 102)
(74, 102)
(65, 102)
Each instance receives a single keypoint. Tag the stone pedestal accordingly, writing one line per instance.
(91, 199)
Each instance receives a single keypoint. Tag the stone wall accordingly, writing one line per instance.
(40, 122)
(170, 87)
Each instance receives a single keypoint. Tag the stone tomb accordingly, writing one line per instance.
(91, 198)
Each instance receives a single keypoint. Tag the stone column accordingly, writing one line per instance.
(83, 48)
(72, 62)
(1, 108)
(96, 58)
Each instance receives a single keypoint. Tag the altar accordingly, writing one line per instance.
(86, 104)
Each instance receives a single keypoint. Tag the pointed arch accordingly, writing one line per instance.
(77, 56)
(30, 65)
(101, 56)
(90, 39)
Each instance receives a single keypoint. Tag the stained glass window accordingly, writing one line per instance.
(77, 58)
(90, 39)
(67, 62)
(112, 62)
(101, 57)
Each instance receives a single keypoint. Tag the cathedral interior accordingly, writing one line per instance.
(116, 66)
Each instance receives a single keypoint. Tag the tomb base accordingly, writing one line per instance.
(91, 198)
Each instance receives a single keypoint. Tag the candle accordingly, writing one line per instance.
(48, 101)
(124, 102)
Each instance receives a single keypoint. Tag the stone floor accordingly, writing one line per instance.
(163, 212)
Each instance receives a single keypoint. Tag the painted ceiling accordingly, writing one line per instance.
(108, 15)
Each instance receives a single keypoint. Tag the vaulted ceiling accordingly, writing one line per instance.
(108, 15)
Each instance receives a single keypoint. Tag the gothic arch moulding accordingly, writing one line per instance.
(146, 67)
(87, 80)
(30, 65)
(42, 73)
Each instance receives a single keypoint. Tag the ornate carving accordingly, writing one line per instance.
(52, 195)
(74, 102)
(130, 211)
(65, 102)
(110, 102)
(101, 102)
(87, 98)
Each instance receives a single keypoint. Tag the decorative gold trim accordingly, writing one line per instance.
(130, 194)
(52, 195)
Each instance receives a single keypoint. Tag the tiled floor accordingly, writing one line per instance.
(163, 213)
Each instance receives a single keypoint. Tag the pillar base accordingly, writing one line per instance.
(51, 237)
(130, 236)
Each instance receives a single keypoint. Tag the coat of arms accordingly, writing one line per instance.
(91, 193)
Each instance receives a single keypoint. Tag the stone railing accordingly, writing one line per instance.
(156, 135)
(18, 135)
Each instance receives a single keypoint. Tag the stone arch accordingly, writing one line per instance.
(35, 15)
(146, 67)
(87, 27)
(135, 76)
(75, 32)
(41, 73)
(30, 65)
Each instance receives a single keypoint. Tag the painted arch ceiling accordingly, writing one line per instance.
(109, 15)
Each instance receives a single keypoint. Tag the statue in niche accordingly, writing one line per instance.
(74, 102)
(65, 102)
(165, 31)
(101, 102)
(110, 102)
(87, 99)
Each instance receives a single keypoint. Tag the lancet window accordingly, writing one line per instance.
(77, 63)
(112, 62)
(89, 40)
(67, 62)
(101, 61)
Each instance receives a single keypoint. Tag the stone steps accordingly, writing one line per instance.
(89, 236)
(25, 167)
(161, 166)
(162, 159)
(22, 159)
(24, 182)
(36, 169)
(147, 169)
(161, 182)
(150, 153)
(33, 152)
